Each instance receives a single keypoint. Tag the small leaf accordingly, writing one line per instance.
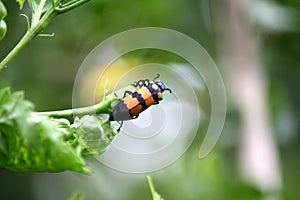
(34, 4)
(3, 11)
(3, 29)
(21, 3)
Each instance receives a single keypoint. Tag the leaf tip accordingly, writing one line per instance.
(21, 3)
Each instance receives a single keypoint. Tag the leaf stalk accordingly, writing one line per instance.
(104, 107)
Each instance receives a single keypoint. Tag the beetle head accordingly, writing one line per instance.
(162, 86)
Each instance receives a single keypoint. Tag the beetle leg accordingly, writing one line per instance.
(141, 83)
(146, 82)
(134, 117)
(134, 84)
(157, 76)
(121, 124)
(127, 93)
(138, 83)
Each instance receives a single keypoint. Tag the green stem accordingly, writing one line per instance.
(37, 26)
(100, 108)
(28, 37)
(151, 186)
(70, 5)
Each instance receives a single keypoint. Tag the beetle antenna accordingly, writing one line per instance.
(157, 76)
(169, 90)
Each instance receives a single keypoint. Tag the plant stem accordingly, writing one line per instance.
(151, 186)
(104, 107)
(70, 5)
(28, 37)
(37, 26)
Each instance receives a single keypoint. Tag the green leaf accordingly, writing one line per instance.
(3, 11)
(95, 134)
(34, 4)
(21, 3)
(3, 29)
(30, 142)
(33, 142)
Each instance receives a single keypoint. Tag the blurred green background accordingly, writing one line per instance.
(46, 70)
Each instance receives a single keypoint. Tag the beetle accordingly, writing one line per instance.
(133, 103)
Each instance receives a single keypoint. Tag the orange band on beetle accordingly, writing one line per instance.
(145, 93)
(132, 102)
(136, 110)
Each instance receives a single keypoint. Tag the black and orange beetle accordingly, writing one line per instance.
(133, 103)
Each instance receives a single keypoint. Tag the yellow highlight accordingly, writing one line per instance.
(93, 82)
